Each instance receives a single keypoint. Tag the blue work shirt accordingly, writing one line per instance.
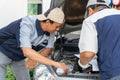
(101, 34)
(25, 32)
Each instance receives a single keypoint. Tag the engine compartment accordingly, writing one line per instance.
(65, 50)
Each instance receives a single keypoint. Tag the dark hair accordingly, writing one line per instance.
(97, 5)
(51, 21)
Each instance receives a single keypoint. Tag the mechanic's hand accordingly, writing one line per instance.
(83, 66)
(30, 64)
(63, 66)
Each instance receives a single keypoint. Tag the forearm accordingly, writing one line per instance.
(45, 52)
(86, 57)
(33, 55)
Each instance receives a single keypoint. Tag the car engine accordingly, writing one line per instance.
(65, 50)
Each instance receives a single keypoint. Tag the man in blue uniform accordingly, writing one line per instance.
(24, 38)
(100, 35)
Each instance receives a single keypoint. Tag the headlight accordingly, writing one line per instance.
(42, 73)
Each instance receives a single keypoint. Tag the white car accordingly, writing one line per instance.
(66, 46)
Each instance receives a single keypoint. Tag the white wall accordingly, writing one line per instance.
(45, 5)
(11, 10)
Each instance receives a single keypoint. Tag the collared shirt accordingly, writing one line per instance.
(25, 32)
(101, 34)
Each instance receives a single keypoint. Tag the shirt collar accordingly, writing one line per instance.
(39, 29)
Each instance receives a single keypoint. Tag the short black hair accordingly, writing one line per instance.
(97, 5)
(51, 21)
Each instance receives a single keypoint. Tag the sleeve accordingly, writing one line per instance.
(4, 34)
(88, 38)
(25, 33)
(50, 41)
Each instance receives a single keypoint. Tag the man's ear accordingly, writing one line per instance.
(90, 11)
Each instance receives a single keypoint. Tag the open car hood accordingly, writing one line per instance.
(74, 13)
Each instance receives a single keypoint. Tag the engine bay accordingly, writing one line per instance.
(65, 50)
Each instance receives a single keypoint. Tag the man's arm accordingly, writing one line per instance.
(88, 43)
(46, 52)
(33, 55)
(86, 57)
(32, 64)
